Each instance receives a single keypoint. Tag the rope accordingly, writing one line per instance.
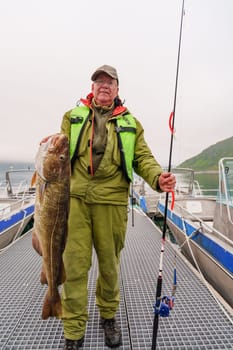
(187, 240)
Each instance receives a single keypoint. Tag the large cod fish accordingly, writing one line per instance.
(52, 180)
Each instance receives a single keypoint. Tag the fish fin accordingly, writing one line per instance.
(42, 188)
(36, 243)
(52, 306)
(43, 278)
(33, 179)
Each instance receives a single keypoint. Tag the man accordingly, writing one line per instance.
(106, 144)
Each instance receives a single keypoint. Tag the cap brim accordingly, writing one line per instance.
(95, 75)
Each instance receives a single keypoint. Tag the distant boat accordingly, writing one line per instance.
(203, 227)
(17, 200)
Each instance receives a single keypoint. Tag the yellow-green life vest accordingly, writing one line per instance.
(125, 127)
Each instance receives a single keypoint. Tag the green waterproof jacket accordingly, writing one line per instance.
(109, 184)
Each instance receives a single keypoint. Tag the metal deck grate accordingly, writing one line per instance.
(196, 322)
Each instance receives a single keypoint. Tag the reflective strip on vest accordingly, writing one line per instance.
(126, 131)
(77, 119)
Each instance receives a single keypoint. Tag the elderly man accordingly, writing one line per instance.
(106, 144)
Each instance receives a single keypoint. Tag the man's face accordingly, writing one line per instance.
(104, 89)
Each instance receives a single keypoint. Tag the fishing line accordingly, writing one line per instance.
(158, 302)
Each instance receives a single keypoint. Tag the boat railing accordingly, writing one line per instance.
(12, 206)
(225, 196)
(3, 189)
(208, 193)
(4, 210)
(204, 221)
(21, 225)
(18, 182)
(21, 190)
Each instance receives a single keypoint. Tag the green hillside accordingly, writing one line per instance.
(208, 159)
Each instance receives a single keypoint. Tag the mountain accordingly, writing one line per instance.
(208, 159)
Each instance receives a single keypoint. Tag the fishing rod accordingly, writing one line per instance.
(163, 305)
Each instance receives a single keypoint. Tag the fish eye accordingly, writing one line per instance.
(61, 157)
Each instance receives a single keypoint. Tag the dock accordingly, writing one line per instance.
(197, 321)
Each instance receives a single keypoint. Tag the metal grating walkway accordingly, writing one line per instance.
(196, 322)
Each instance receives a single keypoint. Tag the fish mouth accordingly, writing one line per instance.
(56, 144)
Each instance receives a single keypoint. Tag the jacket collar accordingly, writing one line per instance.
(88, 102)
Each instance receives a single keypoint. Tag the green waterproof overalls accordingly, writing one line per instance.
(93, 222)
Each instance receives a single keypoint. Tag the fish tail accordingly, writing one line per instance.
(52, 306)
(36, 243)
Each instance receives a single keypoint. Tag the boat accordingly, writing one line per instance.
(202, 225)
(17, 205)
(145, 197)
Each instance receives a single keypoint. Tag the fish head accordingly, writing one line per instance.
(52, 159)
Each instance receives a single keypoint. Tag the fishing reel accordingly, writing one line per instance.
(163, 306)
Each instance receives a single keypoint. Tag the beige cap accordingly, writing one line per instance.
(111, 71)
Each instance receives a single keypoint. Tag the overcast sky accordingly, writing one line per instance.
(49, 49)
